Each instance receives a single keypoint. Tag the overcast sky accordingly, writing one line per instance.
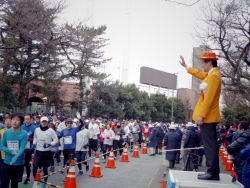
(159, 32)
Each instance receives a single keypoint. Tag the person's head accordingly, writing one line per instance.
(44, 121)
(209, 61)
(235, 127)
(55, 117)
(118, 124)
(108, 127)
(244, 125)
(93, 120)
(76, 121)
(123, 124)
(7, 115)
(227, 126)
(69, 123)
(17, 120)
(28, 120)
(135, 122)
(52, 126)
(37, 119)
(7, 123)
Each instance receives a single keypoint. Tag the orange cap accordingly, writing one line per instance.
(209, 56)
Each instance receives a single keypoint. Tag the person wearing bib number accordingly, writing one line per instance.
(44, 139)
(118, 141)
(109, 136)
(69, 141)
(30, 129)
(134, 130)
(95, 131)
(13, 144)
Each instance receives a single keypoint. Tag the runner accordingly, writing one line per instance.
(44, 138)
(69, 141)
(13, 144)
(30, 129)
(118, 141)
(82, 147)
(109, 136)
(94, 130)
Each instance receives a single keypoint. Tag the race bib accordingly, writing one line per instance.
(117, 137)
(67, 140)
(40, 143)
(13, 145)
(27, 145)
(124, 136)
(134, 129)
(80, 138)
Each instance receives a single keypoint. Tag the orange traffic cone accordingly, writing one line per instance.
(37, 183)
(221, 150)
(96, 170)
(125, 154)
(144, 149)
(71, 176)
(111, 160)
(229, 165)
(164, 184)
(136, 152)
(224, 161)
(232, 172)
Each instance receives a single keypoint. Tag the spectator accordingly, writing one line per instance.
(159, 138)
(239, 144)
(230, 136)
(245, 154)
(224, 135)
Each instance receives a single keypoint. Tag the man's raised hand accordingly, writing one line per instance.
(182, 62)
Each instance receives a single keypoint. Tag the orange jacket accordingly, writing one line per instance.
(208, 104)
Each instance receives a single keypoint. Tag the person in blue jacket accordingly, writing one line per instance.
(245, 154)
(13, 144)
(152, 140)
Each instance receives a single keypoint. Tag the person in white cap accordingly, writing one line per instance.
(171, 141)
(192, 140)
(44, 138)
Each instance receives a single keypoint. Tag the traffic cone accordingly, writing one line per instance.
(164, 184)
(222, 149)
(96, 170)
(37, 183)
(224, 161)
(232, 172)
(229, 165)
(136, 152)
(144, 149)
(125, 154)
(71, 176)
(111, 160)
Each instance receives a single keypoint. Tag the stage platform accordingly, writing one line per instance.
(185, 179)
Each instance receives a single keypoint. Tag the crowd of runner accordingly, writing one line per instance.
(38, 142)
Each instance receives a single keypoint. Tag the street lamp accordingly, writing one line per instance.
(172, 108)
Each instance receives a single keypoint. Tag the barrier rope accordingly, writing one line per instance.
(50, 184)
(66, 167)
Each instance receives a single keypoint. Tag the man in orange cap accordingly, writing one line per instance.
(207, 111)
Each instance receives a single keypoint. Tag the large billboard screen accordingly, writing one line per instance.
(158, 78)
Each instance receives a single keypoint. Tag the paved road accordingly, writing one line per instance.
(138, 173)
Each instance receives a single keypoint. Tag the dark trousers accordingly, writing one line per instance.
(209, 138)
(68, 155)
(51, 159)
(57, 156)
(10, 173)
(41, 159)
(117, 145)
(92, 145)
(81, 156)
(28, 155)
(106, 148)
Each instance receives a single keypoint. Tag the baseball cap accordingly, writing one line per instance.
(44, 118)
(75, 120)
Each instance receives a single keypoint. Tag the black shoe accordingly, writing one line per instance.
(208, 177)
(201, 174)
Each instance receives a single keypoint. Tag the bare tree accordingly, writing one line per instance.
(184, 2)
(224, 27)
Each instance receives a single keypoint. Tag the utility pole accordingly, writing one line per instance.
(172, 107)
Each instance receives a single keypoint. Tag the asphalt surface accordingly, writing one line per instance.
(144, 172)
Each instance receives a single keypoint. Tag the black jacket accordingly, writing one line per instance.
(171, 141)
(159, 136)
(192, 138)
(235, 148)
